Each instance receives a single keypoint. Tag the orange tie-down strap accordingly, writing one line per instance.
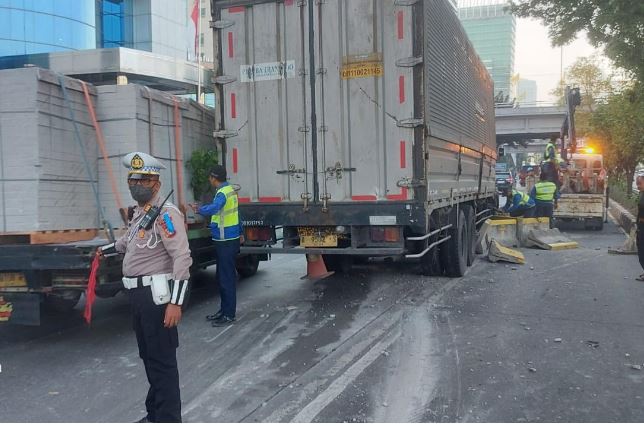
(101, 145)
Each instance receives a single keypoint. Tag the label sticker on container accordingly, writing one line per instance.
(382, 220)
(267, 71)
(362, 70)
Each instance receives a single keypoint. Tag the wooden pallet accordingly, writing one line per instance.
(48, 237)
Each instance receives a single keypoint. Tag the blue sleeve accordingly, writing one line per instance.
(533, 193)
(211, 209)
(557, 194)
(515, 203)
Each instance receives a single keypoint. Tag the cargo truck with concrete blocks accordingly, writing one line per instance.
(356, 129)
(61, 148)
(584, 191)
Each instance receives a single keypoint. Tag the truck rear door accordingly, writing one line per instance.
(358, 150)
(264, 48)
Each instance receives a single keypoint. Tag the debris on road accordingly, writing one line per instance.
(500, 253)
(592, 343)
(532, 369)
(558, 340)
(551, 239)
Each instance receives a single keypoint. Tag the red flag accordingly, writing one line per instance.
(195, 18)
(91, 289)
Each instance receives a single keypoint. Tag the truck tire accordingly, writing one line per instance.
(430, 264)
(248, 265)
(470, 218)
(63, 301)
(456, 248)
(338, 263)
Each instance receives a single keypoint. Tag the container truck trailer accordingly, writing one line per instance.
(355, 128)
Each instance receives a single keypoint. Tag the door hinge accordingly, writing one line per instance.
(224, 79)
(220, 25)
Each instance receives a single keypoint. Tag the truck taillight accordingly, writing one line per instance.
(258, 233)
(388, 234)
(392, 234)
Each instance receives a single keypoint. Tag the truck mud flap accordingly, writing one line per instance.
(19, 309)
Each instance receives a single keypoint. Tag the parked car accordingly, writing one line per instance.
(504, 181)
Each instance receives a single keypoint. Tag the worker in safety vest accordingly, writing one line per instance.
(545, 194)
(226, 233)
(551, 161)
(519, 204)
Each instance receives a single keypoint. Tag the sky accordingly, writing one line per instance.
(536, 59)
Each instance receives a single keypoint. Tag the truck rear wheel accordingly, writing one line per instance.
(456, 248)
(430, 264)
(248, 265)
(470, 219)
(63, 301)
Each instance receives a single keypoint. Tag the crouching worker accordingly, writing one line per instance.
(519, 204)
(156, 270)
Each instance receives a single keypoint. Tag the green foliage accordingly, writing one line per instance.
(590, 79)
(618, 192)
(618, 126)
(199, 165)
(614, 24)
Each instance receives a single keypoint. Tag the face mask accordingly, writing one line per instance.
(141, 194)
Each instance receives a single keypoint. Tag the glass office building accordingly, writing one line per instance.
(39, 26)
(491, 29)
(42, 26)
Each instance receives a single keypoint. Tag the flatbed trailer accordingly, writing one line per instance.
(56, 275)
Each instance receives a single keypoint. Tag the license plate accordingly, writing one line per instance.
(319, 241)
(12, 279)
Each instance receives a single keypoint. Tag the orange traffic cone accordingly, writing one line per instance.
(315, 268)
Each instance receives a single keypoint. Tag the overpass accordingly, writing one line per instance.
(524, 123)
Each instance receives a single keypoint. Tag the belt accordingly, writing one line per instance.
(141, 281)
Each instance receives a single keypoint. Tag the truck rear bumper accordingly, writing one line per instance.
(374, 252)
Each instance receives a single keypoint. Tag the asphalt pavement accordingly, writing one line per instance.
(557, 339)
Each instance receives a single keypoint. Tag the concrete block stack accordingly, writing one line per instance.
(44, 184)
(135, 118)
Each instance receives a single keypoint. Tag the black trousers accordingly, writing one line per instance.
(545, 210)
(640, 243)
(523, 211)
(158, 350)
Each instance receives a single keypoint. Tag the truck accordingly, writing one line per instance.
(584, 191)
(57, 187)
(55, 275)
(355, 129)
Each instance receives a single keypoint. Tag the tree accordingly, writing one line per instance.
(590, 79)
(616, 25)
(593, 85)
(619, 126)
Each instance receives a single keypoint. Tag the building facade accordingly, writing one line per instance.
(43, 26)
(40, 26)
(492, 30)
(527, 92)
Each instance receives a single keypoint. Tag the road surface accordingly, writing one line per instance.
(558, 339)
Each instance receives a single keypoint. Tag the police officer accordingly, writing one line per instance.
(519, 204)
(545, 194)
(156, 270)
(226, 233)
